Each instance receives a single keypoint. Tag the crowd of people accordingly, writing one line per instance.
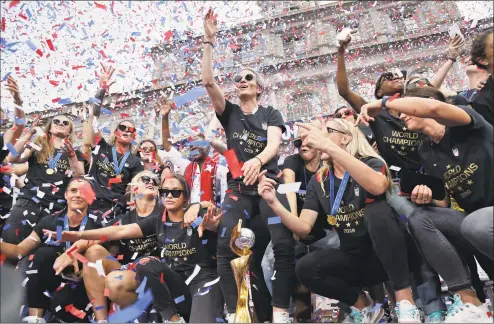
(381, 200)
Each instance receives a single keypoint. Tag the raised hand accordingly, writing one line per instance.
(210, 220)
(210, 25)
(266, 188)
(455, 46)
(62, 262)
(315, 136)
(191, 214)
(68, 148)
(164, 106)
(251, 171)
(14, 90)
(368, 112)
(105, 76)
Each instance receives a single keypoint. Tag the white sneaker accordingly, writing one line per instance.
(460, 312)
(369, 314)
(33, 319)
(281, 317)
(230, 317)
(435, 317)
(407, 312)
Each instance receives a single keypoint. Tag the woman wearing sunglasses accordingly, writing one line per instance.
(459, 151)
(148, 152)
(44, 278)
(52, 162)
(349, 192)
(253, 135)
(184, 283)
(112, 163)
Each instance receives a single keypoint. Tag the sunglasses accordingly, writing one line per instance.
(248, 77)
(124, 128)
(147, 179)
(148, 149)
(332, 130)
(175, 192)
(297, 143)
(61, 122)
(346, 113)
(418, 82)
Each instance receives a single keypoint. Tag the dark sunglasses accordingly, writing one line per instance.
(248, 77)
(146, 180)
(175, 192)
(61, 122)
(124, 128)
(332, 130)
(346, 113)
(148, 149)
(418, 82)
(297, 143)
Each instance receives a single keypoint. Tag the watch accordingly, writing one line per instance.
(384, 100)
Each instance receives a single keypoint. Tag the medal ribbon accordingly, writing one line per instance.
(66, 227)
(52, 161)
(335, 203)
(118, 167)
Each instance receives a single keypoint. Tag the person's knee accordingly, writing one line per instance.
(304, 270)
(419, 220)
(146, 267)
(284, 252)
(95, 252)
(471, 228)
(115, 285)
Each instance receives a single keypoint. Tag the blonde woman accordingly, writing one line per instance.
(113, 163)
(349, 192)
(148, 152)
(52, 162)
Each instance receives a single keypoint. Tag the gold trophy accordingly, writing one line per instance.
(241, 242)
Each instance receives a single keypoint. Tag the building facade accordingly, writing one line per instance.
(294, 47)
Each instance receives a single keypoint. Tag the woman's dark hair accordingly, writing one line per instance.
(478, 48)
(185, 185)
(425, 92)
(81, 178)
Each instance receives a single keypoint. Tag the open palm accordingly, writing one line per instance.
(210, 24)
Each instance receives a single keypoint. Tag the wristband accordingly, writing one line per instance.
(452, 59)
(210, 43)
(255, 157)
(384, 100)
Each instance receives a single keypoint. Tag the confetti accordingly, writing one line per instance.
(274, 220)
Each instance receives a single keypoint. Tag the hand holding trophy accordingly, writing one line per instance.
(241, 243)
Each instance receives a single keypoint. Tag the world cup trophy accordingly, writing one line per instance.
(241, 243)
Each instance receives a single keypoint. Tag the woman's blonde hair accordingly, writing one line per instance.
(113, 138)
(130, 187)
(158, 158)
(46, 141)
(358, 147)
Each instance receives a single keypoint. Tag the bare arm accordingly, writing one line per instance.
(218, 145)
(13, 134)
(21, 169)
(354, 99)
(289, 177)
(112, 233)
(441, 74)
(22, 249)
(20, 148)
(443, 113)
(164, 109)
(271, 149)
(214, 91)
(454, 48)
(300, 226)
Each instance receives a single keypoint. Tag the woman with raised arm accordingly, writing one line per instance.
(113, 164)
(52, 162)
(9, 138)
(147, 150)
(44, 278)
(184, 283)
(349, 190)
(253, 134)
(459, 151)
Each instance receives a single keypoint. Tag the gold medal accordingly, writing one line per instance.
(331, 220)
(50, 171)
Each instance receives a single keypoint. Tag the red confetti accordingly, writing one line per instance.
(2, 258)
(234, 197)
(87, 192)
(75, 67)
(233, 163)
(80, 258)
(55, 100)
(103, 54)
(13, 4)
(114, 180)
(3, 24)
(162, 278)
(39, 52)
(50, 45)
(396, 95)
(22, 16)
(55, 83)
(99, 5)
(163, 217)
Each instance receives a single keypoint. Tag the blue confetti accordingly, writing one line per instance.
(142, 286)
(246, 214)
(31, 45)
(204, 241)
(136, 34)
(197, 222)
(274, 220)
(130, 313)
(12, 150)
(59, 233)
(65, 101)
(94, 100)
(223, 232)
(28, 12)
(6, 227)
(99, 307)
(179, 299)
(189, 96)
(200, 143)
(6, 76)
(219, 320)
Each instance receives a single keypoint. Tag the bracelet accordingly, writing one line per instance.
(255, 157)
(383, 102)
(210, 43)
(452, 59)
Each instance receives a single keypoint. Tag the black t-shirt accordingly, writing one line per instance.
(483, 102)
(247, 136)
(181, 247)
(397, 145)
(102, 169)
(48, 189)
(51, 222)
(464, 160)
(303, 175)
(132, 249)
(3, 153)
(367, 131)
(349, 222)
